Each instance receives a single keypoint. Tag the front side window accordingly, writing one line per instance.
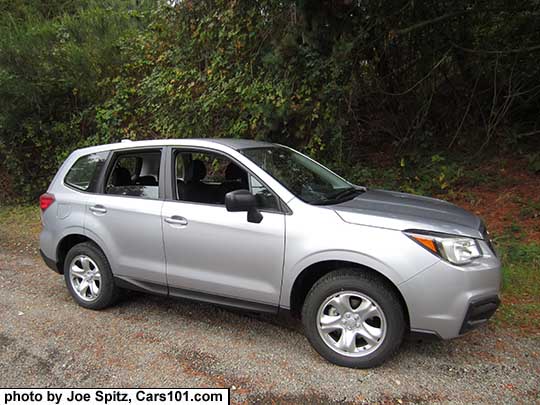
(135, 174)
(83, 175)
(205, 177)
(306, 179)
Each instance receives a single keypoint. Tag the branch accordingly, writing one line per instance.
(421, 80)
(496, 52)
(457, 14)
(429, 22)
(466, 113)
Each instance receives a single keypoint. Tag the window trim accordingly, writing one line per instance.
(95, 188)
(116, 154)
(171, 187)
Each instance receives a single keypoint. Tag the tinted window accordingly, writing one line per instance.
(84, 173)
(205, 177)
(305, 178)
(265, 199)
(135, 174)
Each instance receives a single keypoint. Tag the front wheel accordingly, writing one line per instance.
(353, 319)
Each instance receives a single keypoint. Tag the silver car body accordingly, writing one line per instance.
(206, 252)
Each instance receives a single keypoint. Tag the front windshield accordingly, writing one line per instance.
(303, 177)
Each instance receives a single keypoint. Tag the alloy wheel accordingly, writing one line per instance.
(85, 277)
(351, 323)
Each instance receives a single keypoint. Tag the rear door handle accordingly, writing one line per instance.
(98, 209)
(176, 220)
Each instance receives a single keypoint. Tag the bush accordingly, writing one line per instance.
(52, 61)
(336, 79)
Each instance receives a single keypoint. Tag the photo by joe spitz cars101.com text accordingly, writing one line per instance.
(261, 227)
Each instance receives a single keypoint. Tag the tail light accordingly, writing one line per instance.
(45, 201)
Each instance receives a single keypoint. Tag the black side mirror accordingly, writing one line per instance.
(243, 200)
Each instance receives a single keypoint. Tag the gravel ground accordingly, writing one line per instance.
(47, 340)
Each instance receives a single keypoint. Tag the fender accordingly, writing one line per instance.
(102, 245)
(69, 231)
(292, 273)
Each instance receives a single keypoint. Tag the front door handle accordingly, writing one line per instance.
(98, 209)
(176, 220)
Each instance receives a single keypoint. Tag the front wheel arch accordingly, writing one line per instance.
(313, 273)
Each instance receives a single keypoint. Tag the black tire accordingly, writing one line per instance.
(369, 285)
(107, 289)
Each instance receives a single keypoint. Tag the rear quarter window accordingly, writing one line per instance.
(83, 175)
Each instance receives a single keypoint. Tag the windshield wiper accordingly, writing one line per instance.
(345, 193)
(341, 196)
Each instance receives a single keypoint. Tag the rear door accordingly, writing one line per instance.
(71, 197)
(213, 254)
(126, 217)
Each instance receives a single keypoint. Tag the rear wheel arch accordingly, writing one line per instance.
(314, 272)
(66, 243)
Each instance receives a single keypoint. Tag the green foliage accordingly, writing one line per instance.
(521, 282)
(534, 162)
(413, 173)
(521, 262)
(530, 209)
(335, 79)
(435, 177)
(222, 69)
(332, 79)
(53, 55)
(523, 254)
(20, 228)
(520, 259)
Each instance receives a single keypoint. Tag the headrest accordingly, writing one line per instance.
(147, 181)
(234, 172)
(196, 171)
(121, 177)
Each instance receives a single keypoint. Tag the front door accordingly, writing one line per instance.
(213, 254)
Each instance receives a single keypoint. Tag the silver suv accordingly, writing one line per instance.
(262, 227)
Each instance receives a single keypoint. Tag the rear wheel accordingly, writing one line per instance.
(88, 276)
(353, 319)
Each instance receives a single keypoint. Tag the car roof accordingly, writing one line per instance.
(232, 143)
(241, 143)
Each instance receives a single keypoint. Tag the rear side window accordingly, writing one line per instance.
(135, 175)
(83, 175)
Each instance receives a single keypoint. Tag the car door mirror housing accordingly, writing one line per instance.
(243, 200)
(240, 200)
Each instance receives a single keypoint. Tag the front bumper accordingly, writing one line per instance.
(448, 300)
(479, 313)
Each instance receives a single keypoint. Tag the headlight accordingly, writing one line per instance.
(455, 249)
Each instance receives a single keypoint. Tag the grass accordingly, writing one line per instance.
(20, 227)
(521, 281)
(529, 209)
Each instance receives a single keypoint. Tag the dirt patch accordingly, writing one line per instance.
(5, 341)
(509, 200)
(150, 341)
(200, 364)
(307, 398)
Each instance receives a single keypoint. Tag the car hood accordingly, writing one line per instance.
(401, 211)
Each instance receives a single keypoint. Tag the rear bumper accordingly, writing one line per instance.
(50, 262)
